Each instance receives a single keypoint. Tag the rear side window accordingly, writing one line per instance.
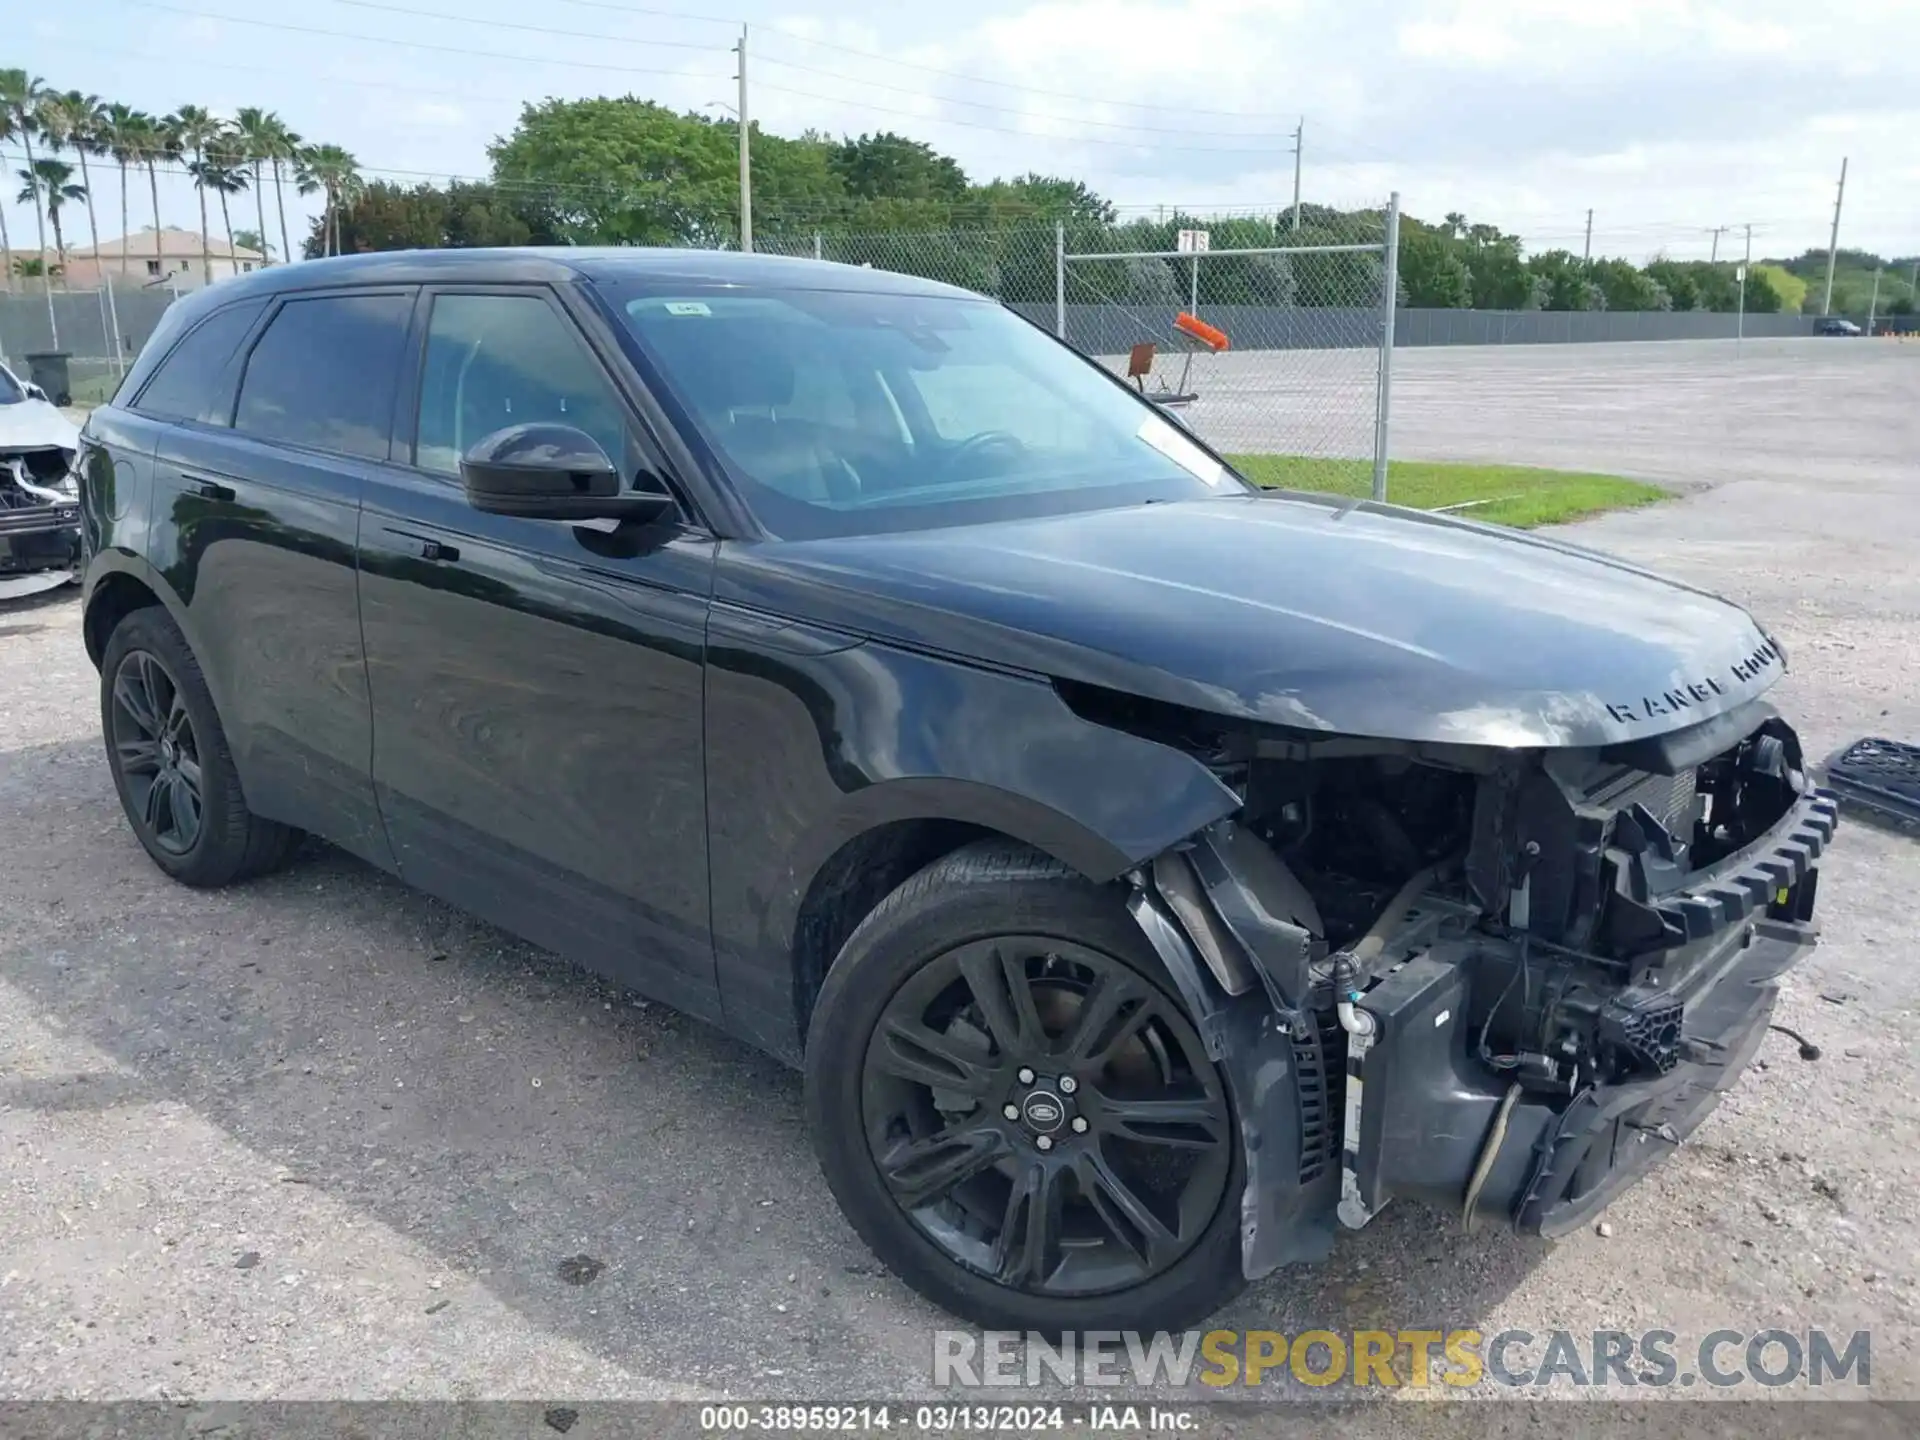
(323, 374)
(186, 386)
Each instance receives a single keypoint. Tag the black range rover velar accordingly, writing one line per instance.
(1151, 875)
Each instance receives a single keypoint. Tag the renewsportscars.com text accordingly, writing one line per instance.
(1416, 1359)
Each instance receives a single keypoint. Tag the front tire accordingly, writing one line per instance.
(170, 761)
(1014, 1110)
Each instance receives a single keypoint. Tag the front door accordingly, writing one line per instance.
(537, 748)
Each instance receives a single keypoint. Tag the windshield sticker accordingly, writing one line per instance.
(688, 307)
(1171, 441)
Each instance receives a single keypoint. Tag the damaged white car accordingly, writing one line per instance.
(39, 504)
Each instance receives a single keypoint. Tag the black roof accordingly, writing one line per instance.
(665, 268)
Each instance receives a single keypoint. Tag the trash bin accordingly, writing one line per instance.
(48, 370)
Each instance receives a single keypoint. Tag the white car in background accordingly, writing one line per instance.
(39, 503)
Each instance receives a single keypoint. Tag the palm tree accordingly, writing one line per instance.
(162, 142)
(76, 120)
(338, 173)
(286, 150)
(8, 129)
(125, 131)
(20, 96)
(50, 182)
(220, 170)
(197, 129)
(258, 132)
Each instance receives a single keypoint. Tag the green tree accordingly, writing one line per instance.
(20, 97)
(221, 168)
(1432, 273)
(623, 171)
(253, 240)
(50, 183)
(1624, 286)
(894, 167)
(335, 172)
(1791, 289)
(1762, 298)
(385, 216)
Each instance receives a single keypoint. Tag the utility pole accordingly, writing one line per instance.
(746, 162)
(1299, 139)
(1586, 252)
(1718, 231)
(1745, 265)
(1873, 305)
(1833, 240)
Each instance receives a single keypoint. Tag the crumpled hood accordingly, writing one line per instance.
(36, 425)
(1360, 620)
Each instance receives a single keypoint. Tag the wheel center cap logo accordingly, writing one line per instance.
(167, 751)
(1044, 1111)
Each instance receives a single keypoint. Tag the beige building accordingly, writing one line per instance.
(176, 266)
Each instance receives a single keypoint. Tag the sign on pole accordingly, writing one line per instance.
(1193, 242)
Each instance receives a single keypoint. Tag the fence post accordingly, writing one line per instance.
(816, 245)
(1383, 395)
(1060, 279)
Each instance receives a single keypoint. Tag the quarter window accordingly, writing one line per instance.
(323, 374)
(499, 360)
(185, 385)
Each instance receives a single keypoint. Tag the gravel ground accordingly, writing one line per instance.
(322, 1137)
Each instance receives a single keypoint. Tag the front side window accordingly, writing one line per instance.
(844, 413)
(498, 360)
(323, 374)
(186, 384)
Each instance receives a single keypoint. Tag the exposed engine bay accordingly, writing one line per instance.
(1510, 979)
(39, 519)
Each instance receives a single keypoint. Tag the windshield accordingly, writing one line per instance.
(844, 413)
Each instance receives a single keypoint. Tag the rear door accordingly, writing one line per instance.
(258, 507)
(537, 686)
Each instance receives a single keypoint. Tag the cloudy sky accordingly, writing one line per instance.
(1665, 117)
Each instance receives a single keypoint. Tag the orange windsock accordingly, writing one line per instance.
(1207, 335)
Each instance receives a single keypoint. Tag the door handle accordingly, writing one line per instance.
(425, 547)
(210, 489)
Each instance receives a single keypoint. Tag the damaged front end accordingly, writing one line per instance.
(39, 519)
(1502, 982)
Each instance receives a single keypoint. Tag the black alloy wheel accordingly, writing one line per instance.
(170, 761)
(157, 752)
(1046, 1116)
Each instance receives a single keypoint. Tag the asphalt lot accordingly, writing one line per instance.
(321, 1137)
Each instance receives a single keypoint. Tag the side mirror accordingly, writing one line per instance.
(34, 392)
(552, 472)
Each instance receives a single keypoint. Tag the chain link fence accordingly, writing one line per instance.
(98, 331)
(1288, 361)
(1267, 339)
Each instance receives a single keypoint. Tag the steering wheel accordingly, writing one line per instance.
(986, 443)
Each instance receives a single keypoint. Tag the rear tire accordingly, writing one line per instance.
(170, 761)
(1099, 1163)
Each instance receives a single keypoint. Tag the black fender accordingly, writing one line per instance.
(815, 739)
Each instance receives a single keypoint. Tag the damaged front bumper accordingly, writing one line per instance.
(1334, 1131)
(39, 531)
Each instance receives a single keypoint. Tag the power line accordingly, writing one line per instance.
(789, 35)
(531, 29)
(926, 119)
(1006, 109)
(407, 44)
